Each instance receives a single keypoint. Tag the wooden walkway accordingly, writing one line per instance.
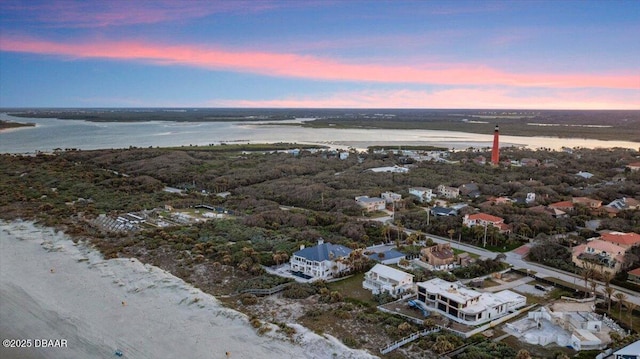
(397, 344)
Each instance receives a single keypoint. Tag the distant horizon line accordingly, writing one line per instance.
(6, 108)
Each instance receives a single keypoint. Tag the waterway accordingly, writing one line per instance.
(50, 134)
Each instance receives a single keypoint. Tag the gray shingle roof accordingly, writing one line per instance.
(322, 252)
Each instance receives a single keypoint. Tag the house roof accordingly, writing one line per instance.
(629, 350)
(323, 252)
(599, 246)
(635, 272)
(421, 189)
(563, 204)
(388, 272)
(626, 239)
(440, 251)
(443, 211)
(485, 217)
(390, 254)
(585, 200)
(365, 199)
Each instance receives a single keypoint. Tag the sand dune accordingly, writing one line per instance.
(51, 288)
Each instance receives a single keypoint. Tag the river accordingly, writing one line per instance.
(50, 134)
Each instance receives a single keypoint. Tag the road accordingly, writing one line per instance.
(541, 271)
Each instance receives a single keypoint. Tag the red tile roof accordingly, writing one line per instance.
(626, 239)
(485, 217)
(563, 204)
(635, 272)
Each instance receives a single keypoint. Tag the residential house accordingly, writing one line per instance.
(635, 166)
(470, 190)
(624, 203)
(390, 256)
(439, 256)
(483, 219)
(566, 324)
(552, 212)
(393, 169)
(322, 261)
(371, 204)
(530, 162)
(424, 194)
(564, 206)
(585, 175)
(624, 240)
(465, 305)
(634, 276)
(631, 351)
(390, 197)
(608, 257)
(384, 279)
(443, 211)
(587, 202)
(480, 160)
(448, 192)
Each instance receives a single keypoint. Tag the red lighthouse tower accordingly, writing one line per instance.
(495, 152)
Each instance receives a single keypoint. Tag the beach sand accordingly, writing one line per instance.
(51, 288)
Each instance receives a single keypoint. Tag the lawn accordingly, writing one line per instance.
(352, 288)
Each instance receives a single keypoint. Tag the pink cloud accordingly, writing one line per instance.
(452, 98)
(85, 14)
(315, 68)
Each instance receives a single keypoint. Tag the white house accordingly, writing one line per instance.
(448, 192)
(423, 194)
(322, 261)
(579, 329)
(381, 279)
(465, 305)
(371, 203)
(390, 197)
(483, 219)
(631, 351)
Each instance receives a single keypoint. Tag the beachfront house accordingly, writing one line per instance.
(322, 261)
(465, 305)
(384, 279)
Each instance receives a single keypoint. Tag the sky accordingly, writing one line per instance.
(514, 54)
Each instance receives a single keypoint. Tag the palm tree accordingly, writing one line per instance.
(587, 273)
(620, 297)
(608, 291)
(630, 308)
(386, 233)
(594, 285)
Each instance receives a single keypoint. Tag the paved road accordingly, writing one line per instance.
(541, 271)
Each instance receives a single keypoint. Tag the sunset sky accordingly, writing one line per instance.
(321, 54)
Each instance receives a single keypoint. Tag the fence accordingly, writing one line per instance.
(397, 344)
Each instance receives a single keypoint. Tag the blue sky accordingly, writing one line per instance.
(355, 54)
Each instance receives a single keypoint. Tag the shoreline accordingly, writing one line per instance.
(53, 288)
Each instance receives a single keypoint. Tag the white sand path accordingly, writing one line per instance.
(51, 288)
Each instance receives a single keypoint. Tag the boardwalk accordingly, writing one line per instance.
(397, 344)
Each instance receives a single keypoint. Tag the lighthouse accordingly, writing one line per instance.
(495, 152)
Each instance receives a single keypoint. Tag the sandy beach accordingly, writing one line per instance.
(53, 289)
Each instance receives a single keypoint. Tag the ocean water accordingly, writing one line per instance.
(50, 134)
